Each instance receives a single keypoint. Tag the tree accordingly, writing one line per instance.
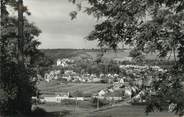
(151, 26)
(126, 21)
(17, 85)
(137, 55)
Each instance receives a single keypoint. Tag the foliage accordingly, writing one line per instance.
(17, 84)
(77, 94)
(55, 54)
(92, 67)
(37, 111)
(137, 55)
(149, 25)
(126, 15)
(99, 102)
(169, 91)
(68, 102)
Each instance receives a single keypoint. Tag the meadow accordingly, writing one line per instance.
(128, 111)
(57, 87)
(84, 109)
(58, 110)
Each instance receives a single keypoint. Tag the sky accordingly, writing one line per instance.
(58, 30)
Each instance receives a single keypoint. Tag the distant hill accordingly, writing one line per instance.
(55, 54)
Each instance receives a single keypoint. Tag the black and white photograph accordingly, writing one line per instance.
(92, 58)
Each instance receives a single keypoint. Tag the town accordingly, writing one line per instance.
(92, 58)
(132, 82)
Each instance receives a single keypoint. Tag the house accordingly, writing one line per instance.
(121, 81)
(69, 72)
(96, 80)
(116, 75)
(101, 93)
(102, 75)
(59, 62)
(62, 96)
(111, 90)
(92, 76)
(68, 78)
(127, 91)
(138, 82)
(139, 97)
(80, 98)
(52, 75)
(117, 85)
(64, 62)
(148, 82)
(123, 59)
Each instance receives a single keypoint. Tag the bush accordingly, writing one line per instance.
(77, 94)
(99, 102)
(3, 102)
(37, 111)
(137, 55)
(87, 95)
(68, 102)
(16, 89)
(104, 81)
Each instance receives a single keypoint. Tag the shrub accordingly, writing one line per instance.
(87, 95)
(137, 55)
(37, 111)
(77, 94)
(104, 81)
(99, 102)
(68, 102)
(16, 89)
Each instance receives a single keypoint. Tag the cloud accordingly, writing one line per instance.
(58, 31)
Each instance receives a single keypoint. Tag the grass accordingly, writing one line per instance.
(127, 111)
(58, 110)
(55, 86)
(62, 110)
(85, 109)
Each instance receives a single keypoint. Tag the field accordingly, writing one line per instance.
(55, 87)
(127, 111)
(86, 110)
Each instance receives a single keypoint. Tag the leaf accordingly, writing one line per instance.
(73, 15)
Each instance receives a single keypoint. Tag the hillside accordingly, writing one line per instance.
(55, 54)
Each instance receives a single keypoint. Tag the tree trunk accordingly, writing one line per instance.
(169, 56)
(20, 34)
(174, 51)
